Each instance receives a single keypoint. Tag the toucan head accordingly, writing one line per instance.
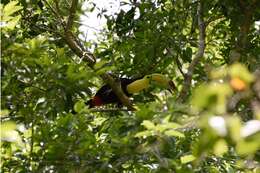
(152, 79)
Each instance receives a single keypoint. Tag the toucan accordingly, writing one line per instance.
(105, 94)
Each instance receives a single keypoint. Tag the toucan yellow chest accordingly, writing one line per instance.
(138, 86)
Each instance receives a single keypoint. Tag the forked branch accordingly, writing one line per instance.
(201, 48)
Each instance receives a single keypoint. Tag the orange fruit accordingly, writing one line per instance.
(237, 84)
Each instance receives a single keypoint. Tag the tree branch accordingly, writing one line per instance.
(90, 58)
(178, 63)
(72, 13)
(108, 110)
(202, 35)
(59, 18)
(242, 39)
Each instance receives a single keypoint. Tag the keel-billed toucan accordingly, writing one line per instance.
(105, 94)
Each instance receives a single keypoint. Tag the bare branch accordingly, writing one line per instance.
(202, 35)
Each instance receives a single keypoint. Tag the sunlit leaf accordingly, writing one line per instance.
(220, 147)
(8, 132)
(144, 134)
(234, 124)
(174, 133)
(148, 124)
(187, 159)
(13, 22)
(28, 133)
(11, 8)
(98, 121)
(240, 71)
(212, 96)
(79, 106)
(247, 147)
(218, 73)
(4, 113)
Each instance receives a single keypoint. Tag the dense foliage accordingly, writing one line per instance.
(211, 50)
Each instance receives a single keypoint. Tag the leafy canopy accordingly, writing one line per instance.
(209, 48)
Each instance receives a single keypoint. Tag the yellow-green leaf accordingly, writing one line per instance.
(79, 106)
(148, 124)
(187, 159)
(11, 8)
(8, 132)
(234, 124)
(4, 113)
(246, 148)
(174, 133)
(144, 134)
(220, 147)
(240, 71)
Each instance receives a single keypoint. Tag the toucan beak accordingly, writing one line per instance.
(172, 86)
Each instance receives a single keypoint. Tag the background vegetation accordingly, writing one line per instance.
(210, 48)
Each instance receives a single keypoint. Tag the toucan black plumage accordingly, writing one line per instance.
(105, 94)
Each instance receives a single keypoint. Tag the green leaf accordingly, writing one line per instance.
(8, 126)
(240, 71)
(212, 96)
(100, 64)
(98, 121)
(247, 147)
(11, 8)
(4, 113)
(170, 125)
(9, 133)
(187, 54)
(28, 133)
(174, 133)
(105, 69)
(187, 159)
(79, 106)
(234, 124)
(13, 22)
(220, 147)
(148, 124)
(144, 134)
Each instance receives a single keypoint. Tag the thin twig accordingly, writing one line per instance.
(190, 125)
(202, 35)
(108, 110)
(32, 143)
(179, 65)
(88, 26)
(57, 8)
(55, 13)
